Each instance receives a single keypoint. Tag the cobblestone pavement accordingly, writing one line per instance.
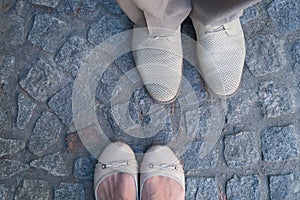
(42, 156)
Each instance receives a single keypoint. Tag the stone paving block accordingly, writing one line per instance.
(284, 15)
(33, 190)
(48, 3)
(25, 110)
(78, 8)
(46, 132)
(84, 167)
(113, 25)
(195, 80)
(48, 32)
(296, 57)
(237, 108)
(71, 54)
(275, 99)
(107, 83)
(241, 150)
(69, 191)
(201, 189)
(192, 161)
(61, 103)
(260, 59)
(280, 143)
(17, 30)
(249, 14)
(6, 70)
(9, 168)
(3, 192)
(112, 6)
(54, 164)
(125, 62)
(284, 187)
(43, 80)
(10, 146)
(246, 187)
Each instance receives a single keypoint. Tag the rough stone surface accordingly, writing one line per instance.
(33, 190)
(42, 43)
(280, 143)
(9, 168)
(3, 192)
(79, 8)
(285, 15)
(49, 3)
(46, 132)
(237, 108)
(54, 164)
(69, 191)
(296, 57)
(241, 149)
(25, 110)
(246, 187)
(15, 29)
(71, 54)
(275, 100)
(259, 59)
(201, 189)
(61, 103)
(249, 14)
(114, 24)
(48, 32)
(192, 159)
(84, 167)
(9, 146)
(43, 80)
(284, 187)
(112, 6)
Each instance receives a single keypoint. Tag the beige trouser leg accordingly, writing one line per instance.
(167, 14)
(218, 12)
(170, 13)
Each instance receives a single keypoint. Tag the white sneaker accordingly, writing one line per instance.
(221, 54)
(159, 63)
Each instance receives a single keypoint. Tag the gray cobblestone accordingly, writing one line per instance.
(49, 3)
(10, 146)
(241, 150)
(61, 103)
(43, 80)
(46, 132)
(238, 107)
(275, 99)
(3, 192)
(249, 14)
(33, 190)
(54, 164)
(284, 187)
(285, 15)
(79, 8)
(192, 159)
(246, 187)
(114, 24)
(48, 32)
(279, 143)
(69, 191)
(112, 6)
(201, 189)
(9, 168)
(25, 110)
(71, 53)
(6, 69)
(259, 59)
(84, 167)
